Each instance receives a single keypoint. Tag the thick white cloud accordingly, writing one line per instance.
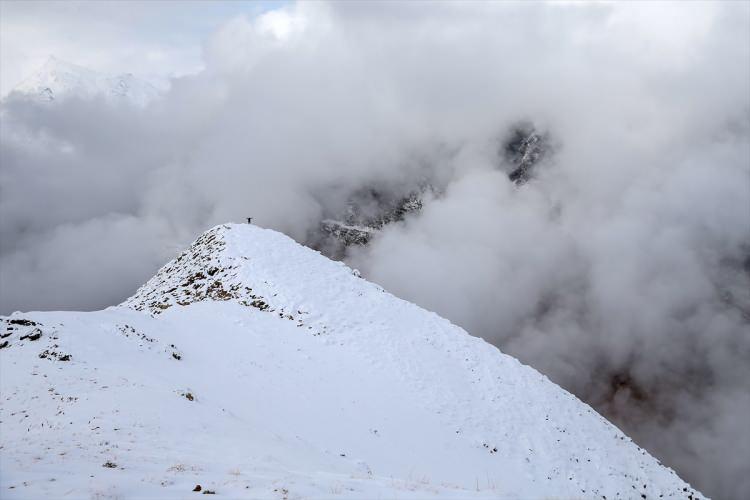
(620, 271)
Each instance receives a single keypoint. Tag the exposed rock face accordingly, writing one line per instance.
(16, 333)
(196, 274)
(347, 234)
(200, 273)
(367, 211)
(523, 149)
(206, 272)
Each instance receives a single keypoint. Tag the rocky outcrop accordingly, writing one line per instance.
(367, 212)
(524, 148)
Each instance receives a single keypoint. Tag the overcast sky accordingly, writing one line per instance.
(153, 39)
(622, 270)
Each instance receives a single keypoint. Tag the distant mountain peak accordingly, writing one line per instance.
(54, 63)
(59, 79)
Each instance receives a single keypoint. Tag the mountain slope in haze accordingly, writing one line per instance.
(375, 205)
(255, 367)
(59, 79)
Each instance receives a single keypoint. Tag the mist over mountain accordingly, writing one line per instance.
(571, 182)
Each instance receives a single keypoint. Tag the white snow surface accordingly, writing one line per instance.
(59, 79)
(258, 368)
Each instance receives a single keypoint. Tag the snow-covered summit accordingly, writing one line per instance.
(59, 79)
(255, 367)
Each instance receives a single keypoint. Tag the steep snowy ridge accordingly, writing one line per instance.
(59, 79)
(258, 368)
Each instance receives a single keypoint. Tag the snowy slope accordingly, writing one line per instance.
(258, 368)
(58, 79)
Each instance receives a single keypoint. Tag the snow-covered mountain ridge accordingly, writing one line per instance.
(59, 79)
(258, 368)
